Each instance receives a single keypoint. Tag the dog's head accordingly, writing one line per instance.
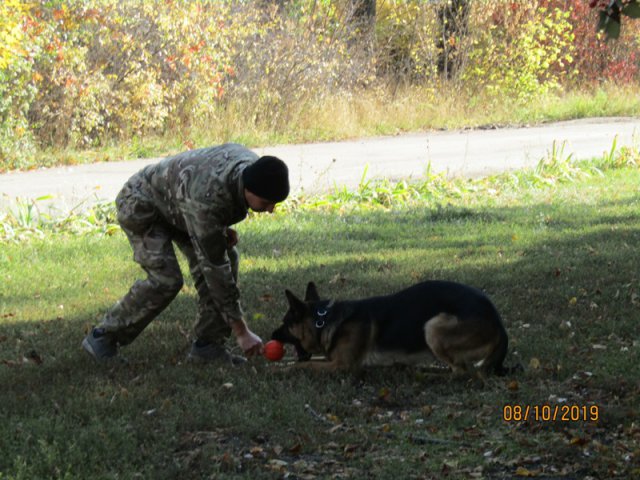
(296, 328)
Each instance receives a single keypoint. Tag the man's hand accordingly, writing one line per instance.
(232, 237)
(249, 342)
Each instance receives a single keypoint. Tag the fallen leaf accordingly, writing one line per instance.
(579, 441)
(384, 394)
(534, 363)
(256, 451)
(34, 357)
(523, 472)
(426, 410)
(333, 418)
(350, 448)
(296, 449)
(336, 428)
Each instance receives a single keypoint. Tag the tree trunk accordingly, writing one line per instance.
(364, 14)
(454, 24)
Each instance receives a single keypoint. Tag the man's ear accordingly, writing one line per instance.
(311, 294)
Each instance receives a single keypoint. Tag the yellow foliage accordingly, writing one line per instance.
(10, 31)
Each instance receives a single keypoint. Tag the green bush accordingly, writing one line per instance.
(522, 51)
(16, 139)
(406, 41)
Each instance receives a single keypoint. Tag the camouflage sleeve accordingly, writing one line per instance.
(210, 244)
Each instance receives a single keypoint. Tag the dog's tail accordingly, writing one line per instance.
(496, 360)
(500, 354)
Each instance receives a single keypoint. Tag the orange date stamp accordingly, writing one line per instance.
(550, 413)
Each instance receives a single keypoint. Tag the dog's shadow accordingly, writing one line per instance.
(436, 375)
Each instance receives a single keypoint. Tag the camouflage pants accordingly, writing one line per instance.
(152, 241)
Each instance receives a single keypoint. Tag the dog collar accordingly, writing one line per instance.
(321, 315)
(320, 321)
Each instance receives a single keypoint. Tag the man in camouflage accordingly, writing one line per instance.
(190, 199)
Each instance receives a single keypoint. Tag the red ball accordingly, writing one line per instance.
(273, 350)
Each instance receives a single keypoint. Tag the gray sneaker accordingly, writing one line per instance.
(99, 345)
(213, 353)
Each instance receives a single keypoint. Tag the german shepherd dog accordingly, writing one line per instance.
(433, 320)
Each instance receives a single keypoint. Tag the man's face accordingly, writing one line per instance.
(258, 204)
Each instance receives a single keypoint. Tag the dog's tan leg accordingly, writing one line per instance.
(464, 345)
(344, 354)
(341, 359)
(436, 333)
(454, 343)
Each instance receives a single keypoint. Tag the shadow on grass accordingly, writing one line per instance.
(533, 268)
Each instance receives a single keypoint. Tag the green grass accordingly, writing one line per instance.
(558, 257)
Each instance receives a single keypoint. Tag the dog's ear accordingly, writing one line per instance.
(295, 303)
(311, 294)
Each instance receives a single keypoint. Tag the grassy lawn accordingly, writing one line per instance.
(560, 262)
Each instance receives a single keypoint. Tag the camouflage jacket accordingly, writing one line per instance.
(201, 192)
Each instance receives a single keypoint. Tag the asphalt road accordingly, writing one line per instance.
(321, 166)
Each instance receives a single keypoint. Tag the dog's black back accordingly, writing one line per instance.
(409, 309)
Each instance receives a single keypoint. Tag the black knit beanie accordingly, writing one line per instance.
(267, 177)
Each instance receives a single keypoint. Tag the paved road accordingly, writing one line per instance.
(320, 166)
